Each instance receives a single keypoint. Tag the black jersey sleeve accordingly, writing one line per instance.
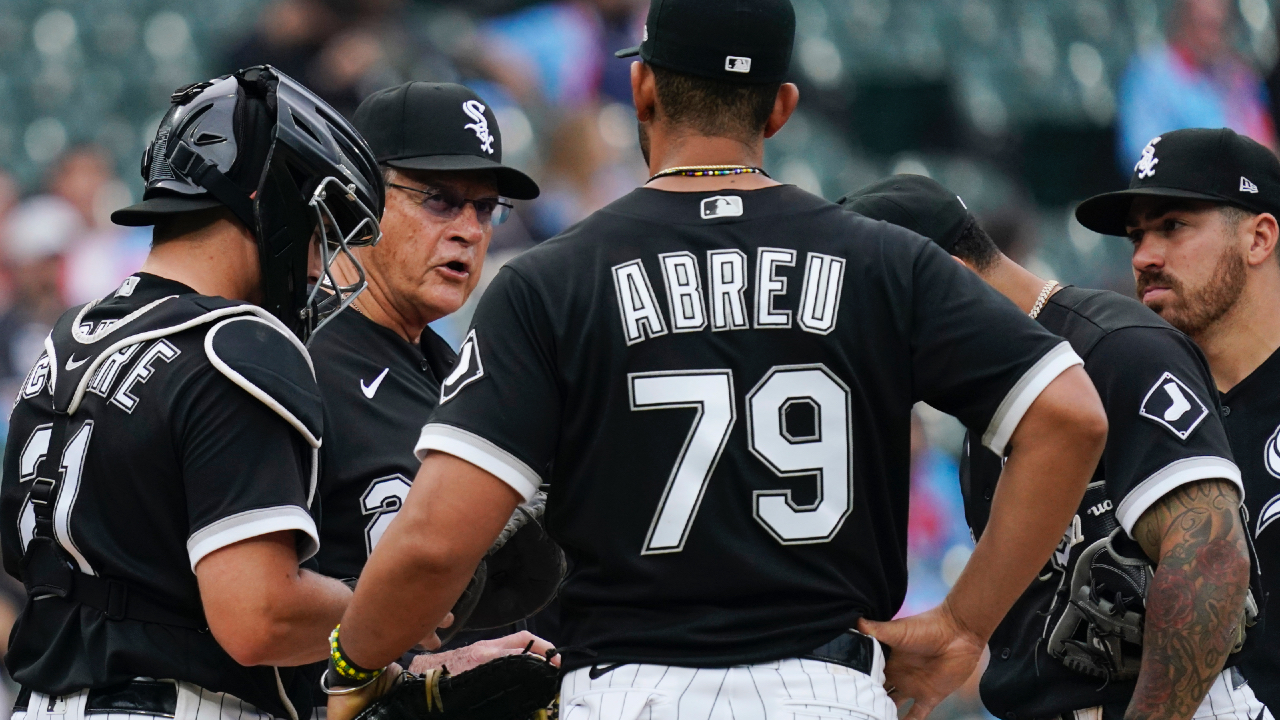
(1165, 427)
(246, 471)
(975, 355)
(500, 406)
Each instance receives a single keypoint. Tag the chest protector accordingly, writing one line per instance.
(77, 347)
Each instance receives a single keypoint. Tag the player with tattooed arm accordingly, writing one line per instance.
(1147, 594)
(1201, 212)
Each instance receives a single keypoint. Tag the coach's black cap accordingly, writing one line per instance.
(1198, 164)
(915, 202)
(438, 126)
(737, 41)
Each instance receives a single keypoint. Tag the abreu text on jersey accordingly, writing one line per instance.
(726, 288)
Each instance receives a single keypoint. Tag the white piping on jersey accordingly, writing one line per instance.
(1024, 392)
(252, 389)
(482, 453)
(1171, 476)
(159, 333)
(315, 476)
(250, 524)
(284, 697)
(53, 364)
(90, 338)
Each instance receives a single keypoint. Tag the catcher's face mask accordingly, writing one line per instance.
(288, 166)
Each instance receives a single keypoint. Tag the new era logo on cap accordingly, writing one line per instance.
(1246, 185)
(737, 64)
(721, 206)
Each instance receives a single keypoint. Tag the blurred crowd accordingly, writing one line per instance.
(563, 102)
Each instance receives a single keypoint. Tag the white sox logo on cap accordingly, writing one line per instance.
(1146, 167)
(475, 111)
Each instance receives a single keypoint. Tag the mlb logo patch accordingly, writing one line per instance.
(737, 64)
(1171, 403)
(721, 206)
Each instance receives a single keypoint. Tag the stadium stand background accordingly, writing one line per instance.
(1011, 103)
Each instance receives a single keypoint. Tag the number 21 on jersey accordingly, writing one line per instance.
(825, 453)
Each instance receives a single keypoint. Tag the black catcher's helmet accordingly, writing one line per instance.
(287, 165)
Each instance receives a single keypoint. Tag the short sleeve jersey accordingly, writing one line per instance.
(718, 388)
(167, 460)
(1164, 431)
(1251, 413)
(378, 390)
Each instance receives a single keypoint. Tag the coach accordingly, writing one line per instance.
(1201, 213)
(380, 368)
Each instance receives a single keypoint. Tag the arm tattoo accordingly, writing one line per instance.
(1197, 539)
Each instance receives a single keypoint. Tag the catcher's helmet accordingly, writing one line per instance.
(287, 165)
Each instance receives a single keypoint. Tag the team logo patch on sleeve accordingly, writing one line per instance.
(1172, 404)
(468, 370)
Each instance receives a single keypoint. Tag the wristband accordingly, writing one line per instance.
(341, 668)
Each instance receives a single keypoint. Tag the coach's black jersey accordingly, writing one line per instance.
(1162, 410)
(167, 459)
(718, 387)
(1251, 412)
(378, 391)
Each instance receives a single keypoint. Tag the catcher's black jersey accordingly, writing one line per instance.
(378, 390)
(166, 460)
(1162, 410)
(1251, 413)
(718, 388)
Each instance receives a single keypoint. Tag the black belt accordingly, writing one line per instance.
(45, 572)
(139, 697)
(851, 649)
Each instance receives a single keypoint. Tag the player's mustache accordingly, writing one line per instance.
(1147, 278)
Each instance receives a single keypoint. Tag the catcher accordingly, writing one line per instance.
(1147, 594)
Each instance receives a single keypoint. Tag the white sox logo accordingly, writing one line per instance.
(1146, 167)
(475, 111)
(468, 369)
(1271, 459)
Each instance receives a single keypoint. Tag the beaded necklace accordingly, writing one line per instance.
(708, 171)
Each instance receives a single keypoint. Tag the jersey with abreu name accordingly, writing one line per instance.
(1164, 432)
(172, 452)
(718, 388)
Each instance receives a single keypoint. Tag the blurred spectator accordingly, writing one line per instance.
(1195, 80)
(564, 51)
(86, 177)
(98, 255)
(583, 173)
(938, 540)
(36, 235)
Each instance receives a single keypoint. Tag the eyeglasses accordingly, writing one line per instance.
(448, 204)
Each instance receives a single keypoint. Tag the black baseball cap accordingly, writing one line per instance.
(738, 41)
(1217, 165)
(438, 126)
(915, 202)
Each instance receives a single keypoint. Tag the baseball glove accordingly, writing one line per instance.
(513, 687)
(1100, 631)
(525, 568)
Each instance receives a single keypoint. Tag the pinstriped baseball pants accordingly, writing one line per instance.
(791, 689)
(194, 703)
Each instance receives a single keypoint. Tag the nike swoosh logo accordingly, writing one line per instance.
(371, 390)
(596, 671)
(72, 364)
